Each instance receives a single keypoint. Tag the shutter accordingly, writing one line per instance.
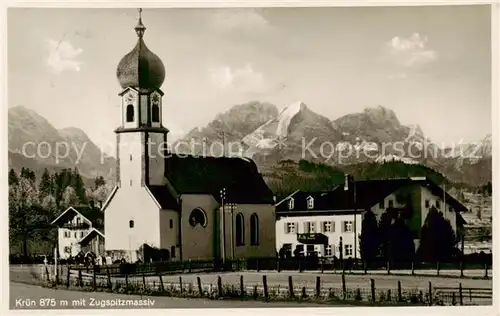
(286, 232)
(296, 227)
(333, 226)
(322, 227)
(305, 227)
(342, 229)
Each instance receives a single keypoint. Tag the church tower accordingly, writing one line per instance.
(141, 137)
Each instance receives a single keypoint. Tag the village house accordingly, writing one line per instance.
(314, 222)
(80, 229)
(186, 207)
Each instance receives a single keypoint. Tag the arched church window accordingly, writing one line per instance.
(130, 113)
(155, 113)
(131, 224)
(198, 217)
(254, 230)
(240, 230)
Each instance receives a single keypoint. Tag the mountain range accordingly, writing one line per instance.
(260, 131)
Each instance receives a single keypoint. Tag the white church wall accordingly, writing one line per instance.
(130, 159)
(131, 204)
(156, 158)
(267, 232)
(169, 232)
(198, 241)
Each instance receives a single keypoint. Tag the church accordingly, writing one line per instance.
(190, 207)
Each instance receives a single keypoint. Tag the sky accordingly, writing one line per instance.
(430, 65)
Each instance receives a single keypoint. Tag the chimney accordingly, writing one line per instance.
(346, 182)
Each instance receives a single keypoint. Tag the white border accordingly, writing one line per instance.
(218, 4)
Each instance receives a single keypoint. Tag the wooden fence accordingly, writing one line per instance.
(155, 284)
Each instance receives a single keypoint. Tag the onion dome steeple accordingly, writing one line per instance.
(140, 69)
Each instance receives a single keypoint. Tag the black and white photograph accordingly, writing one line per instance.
(250, 157)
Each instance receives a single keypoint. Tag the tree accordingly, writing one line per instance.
(78, 185)
(46, 186)
(29, 174)
(69, 197)
(99, 181)
(437, 240)
(396, 236)
(25, 214)
(13, 178)
(369, 240)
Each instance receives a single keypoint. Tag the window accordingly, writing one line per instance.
(290, 228)
(81, 234)
(328, 227)
(310, 250)
(198, 217)
(381, 205)
(310, 203)
(240, 230)
(67, 234)
(172, 252)
(427, 203)
(348, 226)
(130, 113)
(171, 223)
(78, 221)
(75, 235)
(348, 250)
(391, 203)
(291, 203)
(438, 204)
(309, 227)
(130, 182)
(130, 157)
(155, 113)
(254, 230)
(328, 251)
(131, 224)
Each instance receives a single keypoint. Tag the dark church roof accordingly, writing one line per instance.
(209, 175)
(140, 69)
(163, 195)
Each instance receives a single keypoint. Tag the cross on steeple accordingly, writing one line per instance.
(140, 28)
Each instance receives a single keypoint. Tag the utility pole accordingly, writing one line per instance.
(223, 197)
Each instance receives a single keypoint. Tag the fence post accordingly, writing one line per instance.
(219, 286)
(365, 266)
(453, 300)
(318, 286)
(460, 296)
(278, 268)
(242, 287)
(161, 282)
(470, 295)
(400, 296)
(258, 268)
(200, 289)
(109, 277)
(412, 268)
(290, 286)
(486, 270)
(47, 273)
(67, 276)
(80, 277)
(180, 284)
(94, 282)
(322, 266)
(430, 293)
(344, 290)
(437, 267)
(264, 282)
(126, 279)
(388, 267)
(372, 285)
(143, 280)
(189, 266)
(462, 268)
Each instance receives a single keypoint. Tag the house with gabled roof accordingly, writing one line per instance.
(315, 222)
(187, 206)
(80, 229)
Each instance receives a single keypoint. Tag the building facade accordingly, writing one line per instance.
(323, 221)
(186, 207)
(75, 229)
